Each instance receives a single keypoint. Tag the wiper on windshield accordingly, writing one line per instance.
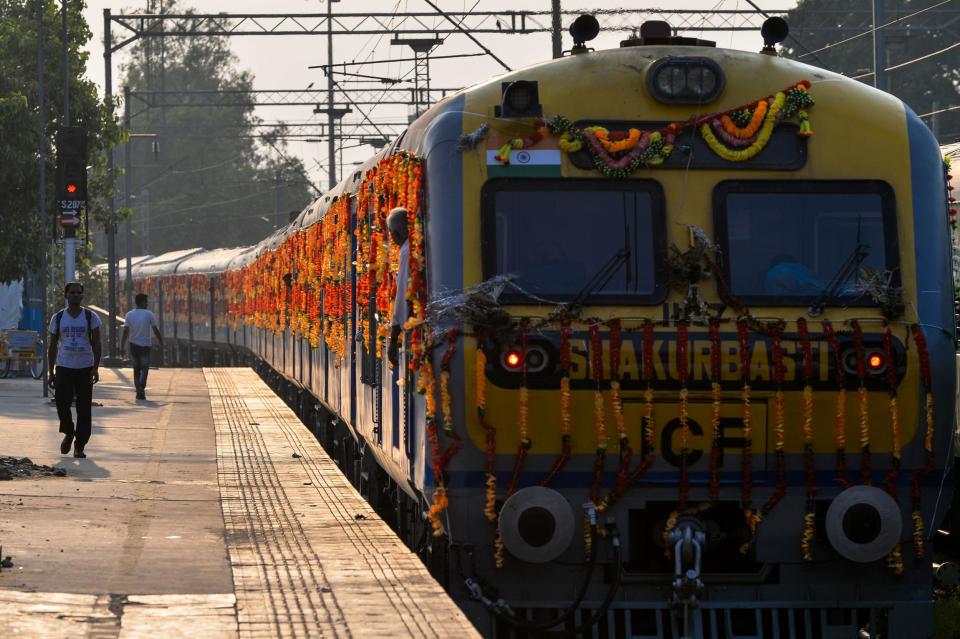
(601, 278)
(850, 266)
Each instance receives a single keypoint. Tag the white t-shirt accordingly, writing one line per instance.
(75, 350)
(403, 274)
(140, 321)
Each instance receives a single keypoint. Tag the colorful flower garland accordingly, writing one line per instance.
(919, 549)
(683, 372)
(716, 451)
(840, 409)
(895, 556)
(736, 135)
(524, 444)
(863, 404)
(809, 461)
(626, 478)
(565, 432)
(751, 515)
(779, 421)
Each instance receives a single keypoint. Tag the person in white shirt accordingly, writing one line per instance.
(75, 354)
(397, 226)
(136, 326)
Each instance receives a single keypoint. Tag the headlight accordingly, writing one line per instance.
(685, 80)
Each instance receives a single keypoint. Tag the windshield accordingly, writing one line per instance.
(555, 236)
(782, 247)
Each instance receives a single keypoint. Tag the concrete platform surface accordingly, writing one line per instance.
(191, 517)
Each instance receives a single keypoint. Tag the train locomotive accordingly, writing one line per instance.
(679, 359)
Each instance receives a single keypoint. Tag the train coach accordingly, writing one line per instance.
(679, 358)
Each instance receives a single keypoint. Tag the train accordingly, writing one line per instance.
(679, 354)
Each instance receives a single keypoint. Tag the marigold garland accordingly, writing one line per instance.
(863, 405)
(840, 408)
(683, 372)
(715, 392)
(524, 445)
(746, 128)
(565, 436)
(895, 556)
(599, 427)
(779, 419)
(919, 544)
(625, 476)
(809, 461)
(751, 515)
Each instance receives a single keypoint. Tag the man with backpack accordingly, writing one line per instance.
(75, 354)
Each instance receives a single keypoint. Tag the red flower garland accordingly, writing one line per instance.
(809, 461)
(863, 403)
(778, 425)
(840, 409)
(523, 447)
(919, 549)
(565, 437)
(715, 451)
(683, 372)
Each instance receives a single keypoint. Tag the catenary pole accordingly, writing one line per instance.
(556, 29)
(43, 196)
(112, 266)
(70, 233)
(127, 199)
(331, 116)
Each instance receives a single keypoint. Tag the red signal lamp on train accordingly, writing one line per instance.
(876, 362)
(513, 359)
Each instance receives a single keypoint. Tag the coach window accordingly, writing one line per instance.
(560, 239)
(786, 243)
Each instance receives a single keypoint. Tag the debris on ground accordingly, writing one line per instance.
(21, 467)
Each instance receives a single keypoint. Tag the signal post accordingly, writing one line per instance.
(71, 189)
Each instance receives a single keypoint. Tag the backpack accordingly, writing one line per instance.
(87, 313)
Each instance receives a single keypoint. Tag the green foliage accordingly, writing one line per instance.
(924, 85)
(20, 126)
(211, 184)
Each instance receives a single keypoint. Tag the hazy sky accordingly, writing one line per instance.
(280, 62)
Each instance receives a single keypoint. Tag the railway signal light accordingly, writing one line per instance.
(71, 165)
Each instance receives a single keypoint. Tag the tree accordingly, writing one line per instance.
(20, 126)
(926, 85)
(211, 184)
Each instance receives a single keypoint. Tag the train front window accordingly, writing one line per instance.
(793, 243)
(558, 239)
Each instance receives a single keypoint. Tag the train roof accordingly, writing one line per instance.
(245, 256)
(101, 268)
(165, 264)
(213, 261)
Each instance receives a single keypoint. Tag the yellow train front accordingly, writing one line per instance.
(692, 358)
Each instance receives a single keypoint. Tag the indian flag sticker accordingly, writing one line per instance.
(525, 163)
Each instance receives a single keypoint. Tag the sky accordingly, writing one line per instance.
(281, 62)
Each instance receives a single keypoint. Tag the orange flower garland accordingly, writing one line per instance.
(565, 436)
(863, 404)
(840, 408)
(919, 544)
(751, 515)
(809, 461)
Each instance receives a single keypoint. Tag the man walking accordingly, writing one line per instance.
(136, 326)
(77, 364)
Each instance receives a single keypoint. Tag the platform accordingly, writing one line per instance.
(207, 511)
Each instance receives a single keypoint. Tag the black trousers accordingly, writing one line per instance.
(140, 357)
(70, 382)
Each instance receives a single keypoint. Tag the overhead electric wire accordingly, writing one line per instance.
(866, 33)
(908, 62)
(792, 37)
